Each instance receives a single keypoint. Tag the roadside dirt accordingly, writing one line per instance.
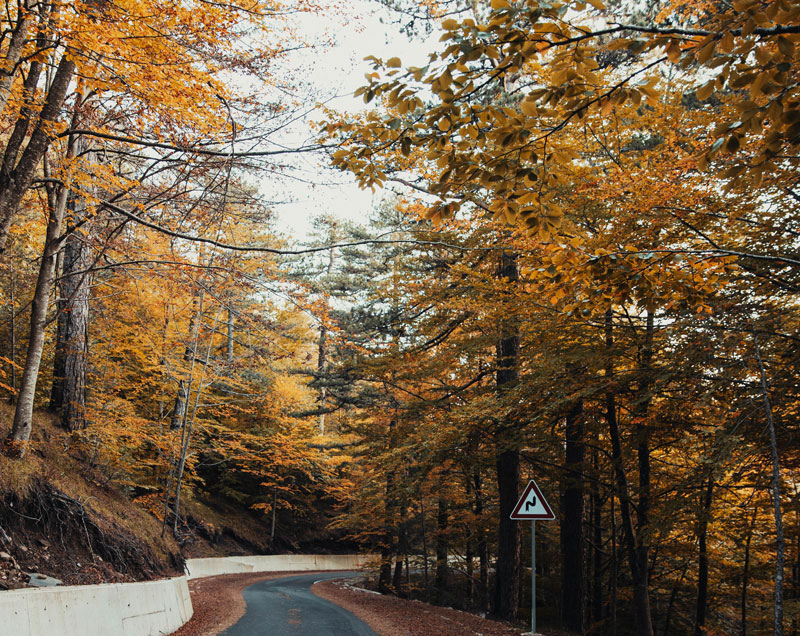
(392, 616)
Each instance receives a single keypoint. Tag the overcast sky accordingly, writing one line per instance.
(358, 29)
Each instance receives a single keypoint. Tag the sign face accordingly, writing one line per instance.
(532, 506)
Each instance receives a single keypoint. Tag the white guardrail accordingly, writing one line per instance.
(150, 608)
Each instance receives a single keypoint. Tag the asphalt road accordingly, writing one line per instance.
(287, 607)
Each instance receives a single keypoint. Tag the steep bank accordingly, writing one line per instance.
(62, 516)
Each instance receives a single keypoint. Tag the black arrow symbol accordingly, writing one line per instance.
(528, 504)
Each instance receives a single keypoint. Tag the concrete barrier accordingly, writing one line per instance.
(151, 608)
(197, 568)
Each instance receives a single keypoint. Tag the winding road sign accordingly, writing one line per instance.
(532, 506)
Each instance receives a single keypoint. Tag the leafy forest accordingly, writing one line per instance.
(585, 269)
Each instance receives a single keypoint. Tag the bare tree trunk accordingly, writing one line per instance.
(388, 543)
(19, 37)
(23, 414)
(469, 540)
(702, 571)
(641, 582)
(402, 550)
(188, 422)
(571, 526)
(483, 546)
(424, 533)
(780, 546)
(322, 369)
(179, 407)
(229, 340)
(746, 570)
(189, 353)
(636, 551)
(274, 518)
(322, 350)
(507, 571)
(71, 357)
(672, 596)
(442, 549)
(614, 567)
(16, 185)
(597, 523)
(75, 333)
(13, 326)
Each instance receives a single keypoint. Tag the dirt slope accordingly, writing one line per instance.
(60, 516)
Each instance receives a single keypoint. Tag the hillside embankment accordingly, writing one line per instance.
(62, 518)
(65, 520)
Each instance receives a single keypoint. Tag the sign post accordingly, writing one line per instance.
(532, 506)
(533, 577)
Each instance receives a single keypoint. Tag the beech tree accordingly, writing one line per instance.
(655, 191)
(194, 110)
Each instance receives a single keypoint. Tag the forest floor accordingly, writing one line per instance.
(218, 604)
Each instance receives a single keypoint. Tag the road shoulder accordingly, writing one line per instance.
(391, 616)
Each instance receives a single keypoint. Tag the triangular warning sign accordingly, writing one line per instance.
(532, 506)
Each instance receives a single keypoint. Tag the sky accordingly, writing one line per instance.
(358, 29)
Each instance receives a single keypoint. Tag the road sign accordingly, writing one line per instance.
(532, 506)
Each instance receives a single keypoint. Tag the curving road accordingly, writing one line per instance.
(287, 607)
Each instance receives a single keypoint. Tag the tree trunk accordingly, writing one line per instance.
(14, 188)
(507, 571)
(68, 394)
(572, 548)
(614, 577)
(424, 532)
(482, 544)
(597, 523)
(388, 543)
(702, 570)
(13, 327)
(188, 423)
(469, 540)
(19, 37)
(636, 552)
(780, 547)
(402, 551)
(322, 350)
(274, 518)
(746, 570)
(442, 549)
(23, 414)
(189, 355)
(229, 340)
(672, 596)
(641, 582)
(179, 407)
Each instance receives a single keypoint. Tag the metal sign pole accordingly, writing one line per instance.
(533, 577)
(530, 507)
